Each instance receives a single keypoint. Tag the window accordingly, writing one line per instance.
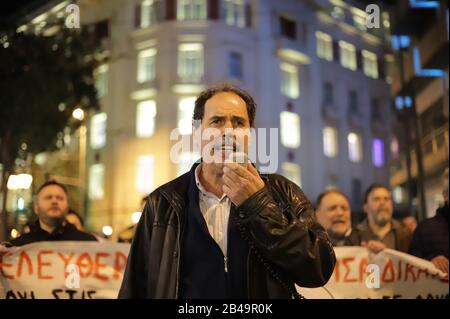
(185, 112)
(348, 55)
(288, 28)
(186, 160)
(96, 181)
(101, 80)
(191, 9)
(338, 13)
(378, 152)
(149, 12)
(352, 102)
(235, 13)
(98, 130)
(359, 22)
(190, 62)
(145, 118)
(327, 93)
(289, 85)
(330, 142)
(290, 129)
(146, 65)
(292, 172)
(370, 64)
(354, 147)
(235, 65)
(145, 173)
(324, 48)
(356, 192)
(375, 113)
(398, 194)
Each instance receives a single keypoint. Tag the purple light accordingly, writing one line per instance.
(378, 152)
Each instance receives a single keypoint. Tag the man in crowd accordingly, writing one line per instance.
(334, 214)
(51, 206)
(379, 226)
(430, 240)
(222, 230)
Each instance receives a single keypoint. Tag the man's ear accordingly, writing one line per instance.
(365, 208)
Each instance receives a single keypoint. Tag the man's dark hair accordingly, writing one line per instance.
(199, 109)
(371, 188)
(322, 195)
(52, 182)
(72, 212)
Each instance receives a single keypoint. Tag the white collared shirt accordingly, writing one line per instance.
(216, 212)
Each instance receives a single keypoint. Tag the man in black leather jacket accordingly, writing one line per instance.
(223, 230)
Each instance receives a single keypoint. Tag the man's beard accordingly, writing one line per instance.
(53, 221)
(382, 219)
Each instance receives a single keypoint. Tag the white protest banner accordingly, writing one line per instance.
(389, 274)
(62, 270)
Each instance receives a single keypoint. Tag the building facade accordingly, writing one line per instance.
(319, 75)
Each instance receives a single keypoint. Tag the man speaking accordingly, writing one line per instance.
(222, 230)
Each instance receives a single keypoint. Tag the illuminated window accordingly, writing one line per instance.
(191, 9)
(290, 129)
(378, 152)
(145, 118)
(338, 13)
(398, 195)
(348, 55)
(354, 147)
(359, 22)
(149, 12)
(96, 181)
(289, 85)
(101, 80)
(235, 13)
(330, 148)
(145, 173)
(98, 130)
(185, 112)
(292, 172)
(370, 64)
(146, 65)
(190, 62)
(324, 46)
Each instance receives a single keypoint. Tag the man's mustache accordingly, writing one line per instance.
(227, 142)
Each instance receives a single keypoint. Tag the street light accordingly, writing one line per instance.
(78, 114)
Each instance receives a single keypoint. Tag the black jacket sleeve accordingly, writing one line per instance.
(289, 237)
(134, 283)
